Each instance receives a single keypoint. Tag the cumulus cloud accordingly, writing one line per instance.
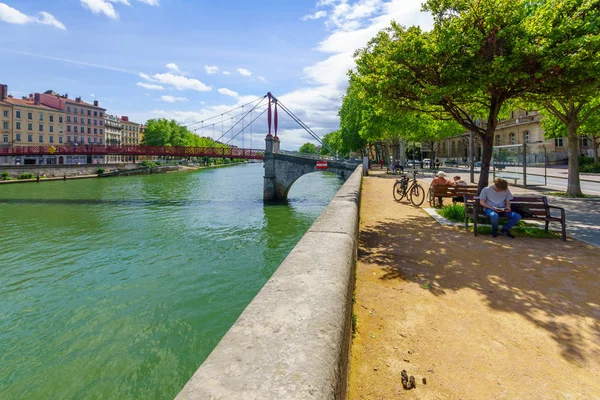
(173, 99)
(150, 86)
(226, 73)
(174, 79)
(228, 92)
(14, 16)
(173, 67)
(211, 69)
(317, 15)
(106, 6)
(150, 2)
(261, 78)
(244, 72)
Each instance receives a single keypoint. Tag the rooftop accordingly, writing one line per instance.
(27, 103)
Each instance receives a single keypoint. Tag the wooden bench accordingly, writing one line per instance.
(437, 191)
(537, 205)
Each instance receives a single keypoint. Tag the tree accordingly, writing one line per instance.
(333, 140)
(476, 59)
(567, 38)
(164, 132)
(308, 148)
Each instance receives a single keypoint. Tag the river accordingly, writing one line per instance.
(119, 288)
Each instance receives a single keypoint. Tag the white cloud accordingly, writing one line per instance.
(145, 76)
(150, 2)
(261, 78)
(226, 73)
(211, 69)
(92, 95)
(244, 72)
(100, 7)
(227, 92)
(150, 86)
(172, 99)
(173, 67)
(14, 16)
(181, 82)
(317, 15)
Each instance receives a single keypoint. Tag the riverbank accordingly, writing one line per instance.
(475, 317)
(89, 172)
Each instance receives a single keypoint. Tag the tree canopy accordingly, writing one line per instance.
(164, 132)
(308, 148)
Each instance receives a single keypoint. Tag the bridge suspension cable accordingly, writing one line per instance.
(250, 124)
(241, 119)
(227, 112)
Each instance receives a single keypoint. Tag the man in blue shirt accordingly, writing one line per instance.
(495, 201)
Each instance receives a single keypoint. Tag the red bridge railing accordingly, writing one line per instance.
(177, 151)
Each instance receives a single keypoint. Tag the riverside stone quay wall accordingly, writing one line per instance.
(62, 170)
(293, 339)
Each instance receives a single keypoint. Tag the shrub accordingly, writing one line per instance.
(27, 175)
(149, 164)
(5, 176)
(453, 212)
(590, 168)
(100, 171)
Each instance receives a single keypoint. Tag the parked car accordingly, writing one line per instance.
(478, 164)
(426, 162)
(450, 162)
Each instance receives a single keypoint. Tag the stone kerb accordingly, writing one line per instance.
(293, 339)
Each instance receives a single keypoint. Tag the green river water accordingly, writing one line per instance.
(119, 288)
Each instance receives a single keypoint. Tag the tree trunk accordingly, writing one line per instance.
(486, 157)
(573, 184)
(595, 147)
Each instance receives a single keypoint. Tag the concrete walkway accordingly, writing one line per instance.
(477, 318)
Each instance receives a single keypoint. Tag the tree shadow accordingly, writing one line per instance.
(540, 279)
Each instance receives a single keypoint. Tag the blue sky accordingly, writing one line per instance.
(190, 59)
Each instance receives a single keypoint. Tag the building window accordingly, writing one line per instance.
(5, 113)
(95, 131)
(41, 117)
(60, 139)
(68, 128)
(18, 125)
(101, 122)
(30, 138)
(95, 140)
(69, 139)
(5, 125)
(29, 127)
(498, 140)
(5, 138)
(68, 108)
(75, 129)
(89, 130)
(89, 121)
(75, 110)
(89, 139)
(60, 129)
(75, 120)
(560, 142)
(101, 115)
(51, 139)
(18, 137)
(82, 139)
(41, 128)
(18, 114)
(60, 120)
(51, 128)
(101, 131)
(29, 115)
(75, 138)
(41, 138)
(95, 113)
(89, 113)
(68, 118)
(526, 133)
(512, 138)
(100, 140)
(51, 118)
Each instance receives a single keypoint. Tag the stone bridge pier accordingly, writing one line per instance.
(282, 170)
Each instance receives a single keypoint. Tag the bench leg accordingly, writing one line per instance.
(547, 223)
(564, 230)
(475, 221)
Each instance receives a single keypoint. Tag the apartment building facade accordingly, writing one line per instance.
(112, 134)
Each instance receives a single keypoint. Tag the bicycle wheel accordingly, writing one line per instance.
(399, 191)
(430, 199)
(417, 195)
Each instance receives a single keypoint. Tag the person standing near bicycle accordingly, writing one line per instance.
(440, 179)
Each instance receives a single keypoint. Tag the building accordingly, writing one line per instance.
(34, 124)
(130, 136)
(113, 135)
(6, 125)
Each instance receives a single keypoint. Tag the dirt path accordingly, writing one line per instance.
(478, 318)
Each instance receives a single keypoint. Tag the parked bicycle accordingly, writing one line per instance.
(405, 187)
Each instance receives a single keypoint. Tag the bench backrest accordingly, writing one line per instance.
(454, 190)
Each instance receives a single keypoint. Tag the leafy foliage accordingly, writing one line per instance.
(308, 148)
(164, 132)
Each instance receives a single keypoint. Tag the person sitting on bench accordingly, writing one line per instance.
(495, 201)
(458, 182)
(440, 179)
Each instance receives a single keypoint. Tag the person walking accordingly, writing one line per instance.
(495, 201)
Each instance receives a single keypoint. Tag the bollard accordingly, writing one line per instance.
(38, 178)
(64, 177)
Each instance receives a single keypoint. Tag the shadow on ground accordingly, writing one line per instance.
(544, 280)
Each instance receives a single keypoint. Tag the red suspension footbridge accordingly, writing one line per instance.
(240, 124)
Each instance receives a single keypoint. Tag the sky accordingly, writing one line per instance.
(193, 59)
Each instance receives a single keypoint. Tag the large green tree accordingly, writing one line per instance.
(164, 132)
(476, 58)
(308, 148)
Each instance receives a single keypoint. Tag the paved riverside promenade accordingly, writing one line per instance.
(479, 318)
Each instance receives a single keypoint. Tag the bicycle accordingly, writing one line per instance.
(406, 188)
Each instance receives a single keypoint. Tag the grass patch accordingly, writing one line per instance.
(453, 212)
(354, 324)
(577, 196)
